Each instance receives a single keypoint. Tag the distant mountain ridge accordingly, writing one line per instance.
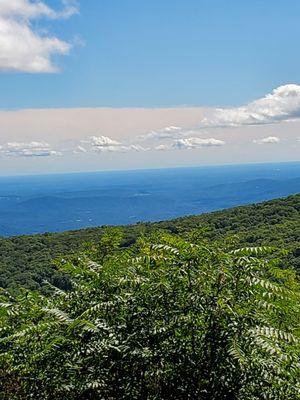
(50, 204)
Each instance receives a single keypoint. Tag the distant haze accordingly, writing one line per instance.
(71, 201)
(90, 139)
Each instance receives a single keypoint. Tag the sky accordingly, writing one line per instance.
(113, 84)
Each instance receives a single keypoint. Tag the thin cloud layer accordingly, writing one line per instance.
(196, 143)
(102, 142)
(190, 143)
(169, 132)
(99, 144)
(31, 149)
(21, 47)
(283, 104)
(267, 140)
(105, 144)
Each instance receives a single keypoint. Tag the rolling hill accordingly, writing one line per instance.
(28, 260)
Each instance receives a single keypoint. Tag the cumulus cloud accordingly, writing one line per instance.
(34, 9)
(283, 104)
(169, 132)
(190, 143)
(31, 149)
(196, 143)
(22, 48)
(102, 141)
(267, 140)
(106, 144)
(162, 147)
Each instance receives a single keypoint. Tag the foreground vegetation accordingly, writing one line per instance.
(167, 319)
(27, 261)
(200, 308)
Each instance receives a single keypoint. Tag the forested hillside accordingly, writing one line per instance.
(200, 308)
(167, 318)
(28, 260)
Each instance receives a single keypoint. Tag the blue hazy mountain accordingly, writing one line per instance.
(34, 204)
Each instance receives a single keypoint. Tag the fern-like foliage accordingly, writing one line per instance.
(167, 319)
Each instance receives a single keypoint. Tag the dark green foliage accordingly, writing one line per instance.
(200, 308)
(166, 319)
(28, 260)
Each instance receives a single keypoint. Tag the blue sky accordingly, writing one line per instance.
(124, 84)
(164, 53)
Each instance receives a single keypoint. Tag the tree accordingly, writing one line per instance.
(169, 319)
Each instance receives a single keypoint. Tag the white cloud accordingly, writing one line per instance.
(34, 9)
(102, 141)
(172, 128)
(80, 149)
(190, 143)
(31, 149)
(267, 140)
(21, 47)
(169, 132)
(196, 143)
(283, 104)
(106, 144)
(162, 147)
(135, 147)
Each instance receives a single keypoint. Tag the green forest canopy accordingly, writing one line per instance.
(168, 318)
(28, 260)
(201, 308)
